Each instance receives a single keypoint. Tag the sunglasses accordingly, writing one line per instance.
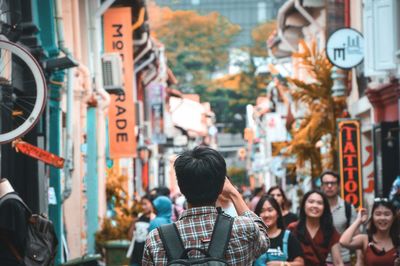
(381, 200)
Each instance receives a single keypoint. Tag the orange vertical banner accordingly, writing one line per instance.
(118, 38)
(349, 135)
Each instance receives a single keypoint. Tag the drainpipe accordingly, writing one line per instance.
(91, 179)
(103, 103)
(55, 210)
(53, 114)
(95, 164)
(68, 169)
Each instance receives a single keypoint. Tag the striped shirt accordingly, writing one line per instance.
(248, 237)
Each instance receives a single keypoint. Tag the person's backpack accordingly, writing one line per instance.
(277, 254)
(41, 240)
(214, 255)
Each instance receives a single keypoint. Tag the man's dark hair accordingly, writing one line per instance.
(329, 172)
(163, 191)
(201, 175)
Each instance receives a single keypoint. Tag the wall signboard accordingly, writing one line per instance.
(345, 48)
(121, 126)
(350, 161)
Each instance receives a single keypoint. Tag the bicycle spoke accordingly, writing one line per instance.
(25, 81)
(25, 101)
(27, 97)
(23, 108)
(6, 107)
(11, 112)
(8, 94)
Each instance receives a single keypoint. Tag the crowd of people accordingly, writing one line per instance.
(326, 230)
(212, 223)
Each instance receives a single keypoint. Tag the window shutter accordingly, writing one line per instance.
(385, 36)
(368, 25)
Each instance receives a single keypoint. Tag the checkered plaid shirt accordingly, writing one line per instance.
(248, 237)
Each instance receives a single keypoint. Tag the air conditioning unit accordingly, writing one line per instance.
(113, 78)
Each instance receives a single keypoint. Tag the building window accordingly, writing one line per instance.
(262, 12)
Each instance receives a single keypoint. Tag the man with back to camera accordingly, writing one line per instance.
(343, 213)
(201, 175)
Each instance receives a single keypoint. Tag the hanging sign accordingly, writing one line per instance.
(38, 153)
(350, 161)
(155, 92)
(118, 38)
(345, 48)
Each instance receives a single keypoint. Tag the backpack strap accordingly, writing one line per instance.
(220, 236)
(347, 208)
(285, 243)
(172, 241)
(16, 197)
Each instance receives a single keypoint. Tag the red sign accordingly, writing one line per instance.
(350, 161)
(38, 153)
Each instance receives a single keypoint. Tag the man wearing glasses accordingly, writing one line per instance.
(343, 213)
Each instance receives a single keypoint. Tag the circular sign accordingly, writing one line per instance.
(345, 48)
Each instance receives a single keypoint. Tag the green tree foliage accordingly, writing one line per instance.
(196, 46)
(231, 96)
(317, 97)
(260, 35)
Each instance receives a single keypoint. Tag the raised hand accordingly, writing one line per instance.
(362, 216)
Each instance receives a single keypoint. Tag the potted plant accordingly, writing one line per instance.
(112, 239)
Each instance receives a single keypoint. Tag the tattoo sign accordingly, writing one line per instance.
(350, 161)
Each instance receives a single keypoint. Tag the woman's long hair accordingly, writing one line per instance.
(275, 205)
(285, 200)
(325, 221)
(394, 229)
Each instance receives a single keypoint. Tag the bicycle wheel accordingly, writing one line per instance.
(23, 91)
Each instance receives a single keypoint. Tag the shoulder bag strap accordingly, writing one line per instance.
(321, 260)
(16, 197)
(285, 243)
(172, 241)
(220, 236)
(347, 207)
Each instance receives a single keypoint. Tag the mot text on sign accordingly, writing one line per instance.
(118, 38)
(350, 161)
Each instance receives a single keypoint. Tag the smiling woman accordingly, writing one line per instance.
(382, 238)
(315, 230)
(284, 245)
